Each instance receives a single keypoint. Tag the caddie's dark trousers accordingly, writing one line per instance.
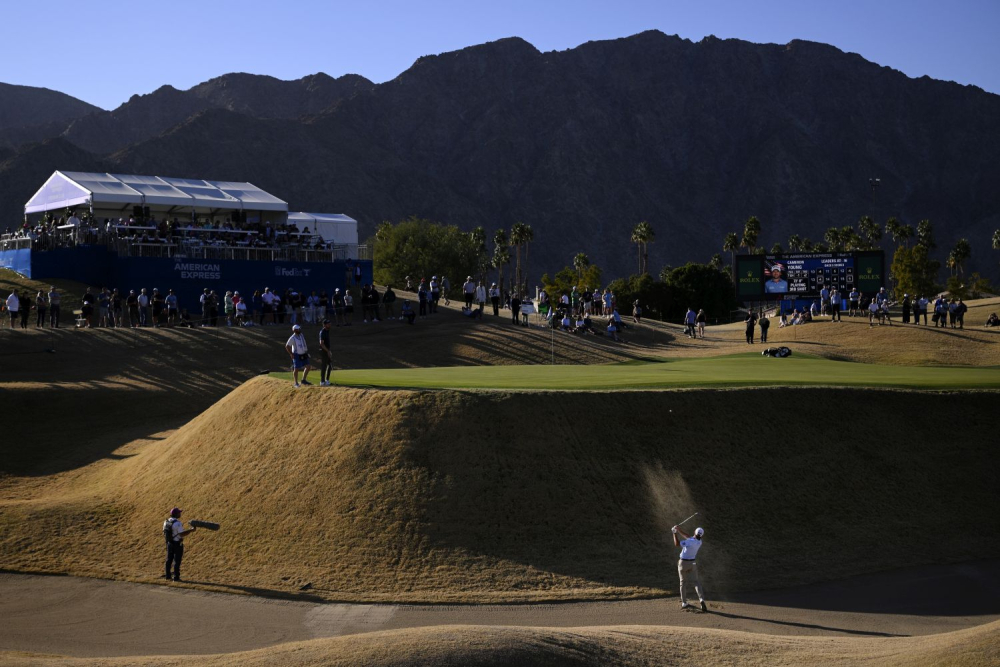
(175, 551)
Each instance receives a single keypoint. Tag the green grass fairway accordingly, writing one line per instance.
(739, 370)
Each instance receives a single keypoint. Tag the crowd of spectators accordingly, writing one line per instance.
(60, 231)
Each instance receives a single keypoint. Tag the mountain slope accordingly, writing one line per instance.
(22, 106)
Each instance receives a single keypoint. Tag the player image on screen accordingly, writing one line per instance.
(777, 284)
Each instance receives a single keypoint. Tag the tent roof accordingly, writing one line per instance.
(73, 188)
(313, 218)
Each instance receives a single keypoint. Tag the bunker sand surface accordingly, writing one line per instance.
(93, 618)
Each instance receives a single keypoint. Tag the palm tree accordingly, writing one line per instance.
(806, 245)
(500, 254)
(894, 228)
(959, 254)
(906, 233)
(580, 263)
(795, 242)
(832, 238)
(996, 240)
(529, 236)
(870, 230)
(751, 232)
(777, 249)
(517, 239)
(925, 234)
(731, 244)
(716, 262)
(642, 235)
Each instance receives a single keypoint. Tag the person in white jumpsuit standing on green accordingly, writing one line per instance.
(687, 566)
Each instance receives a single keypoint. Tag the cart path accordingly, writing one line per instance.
(91, 617)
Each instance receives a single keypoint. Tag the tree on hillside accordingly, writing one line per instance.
(416, 246)
(580, 262)
(906, 233)
(850, 240)
(700, 286)
(751, 232)
(642, 236)
(996, 240)
(925, 234)
(777, 249)
(716, 263)
(795, 242)
(870, 231)
(568, 278)
(518, 237)
(978, 286)
(914, 271)
(806, 245)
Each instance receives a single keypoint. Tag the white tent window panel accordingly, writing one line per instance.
(57, 193)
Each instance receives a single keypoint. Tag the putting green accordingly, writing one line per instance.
(739, 370)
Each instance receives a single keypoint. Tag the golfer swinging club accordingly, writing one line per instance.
(686, 566)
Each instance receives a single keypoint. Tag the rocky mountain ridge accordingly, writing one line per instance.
(581, 144)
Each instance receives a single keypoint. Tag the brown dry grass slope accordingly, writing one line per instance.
(496, 496)
(626, 645)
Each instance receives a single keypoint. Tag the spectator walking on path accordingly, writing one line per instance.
(495, 299)
(388, 301)
(835, 303)
(41, 304)
(906, 309)
(922, 302)
(298, 350)
(700, 319)
(481, 297)
(55, 300)
(751, 322)
(765, 324)
(853, 302)
(687, 565)
(445, 287)
(13, 308)
(515, 309)
(326, 361)
(690, 319)
(469, 289)
(960, 310)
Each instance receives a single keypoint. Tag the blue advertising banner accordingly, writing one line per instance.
(99, 267)
(16, 260)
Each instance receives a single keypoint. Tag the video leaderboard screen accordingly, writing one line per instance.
(801, 275)
(808, 275)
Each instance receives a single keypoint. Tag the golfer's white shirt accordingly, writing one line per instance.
(689, 548)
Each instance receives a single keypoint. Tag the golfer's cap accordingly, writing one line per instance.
(779, 266)
(699, 532)
(296, 328)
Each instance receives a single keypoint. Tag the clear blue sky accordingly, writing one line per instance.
(105, 51)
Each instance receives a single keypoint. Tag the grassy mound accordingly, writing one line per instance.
(494, 496)
(624, 645)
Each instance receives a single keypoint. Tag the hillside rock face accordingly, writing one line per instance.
(22, 106)
(584, 143)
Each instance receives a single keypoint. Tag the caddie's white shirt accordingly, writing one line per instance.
(298, 344)
(177, 528)
(689, 548)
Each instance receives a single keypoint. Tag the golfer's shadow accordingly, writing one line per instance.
(810, 626)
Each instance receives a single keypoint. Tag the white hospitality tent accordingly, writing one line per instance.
(115, 195)
(335, 228)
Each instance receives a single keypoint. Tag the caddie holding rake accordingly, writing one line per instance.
(687, 567)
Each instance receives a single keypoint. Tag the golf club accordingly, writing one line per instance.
(686, 520)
